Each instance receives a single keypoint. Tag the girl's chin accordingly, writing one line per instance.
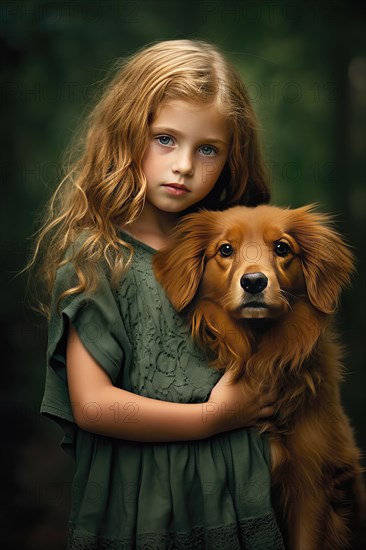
(168, 207)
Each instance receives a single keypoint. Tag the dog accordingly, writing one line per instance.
(259, 286)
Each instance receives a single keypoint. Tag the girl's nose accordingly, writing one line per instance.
(183, 163)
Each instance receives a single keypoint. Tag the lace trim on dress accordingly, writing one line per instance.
(248, 534)
(166, 363)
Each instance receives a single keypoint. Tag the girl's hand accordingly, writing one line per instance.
(234, 405)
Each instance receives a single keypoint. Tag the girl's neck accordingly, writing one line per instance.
(152, 227)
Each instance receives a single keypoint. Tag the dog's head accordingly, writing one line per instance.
(254, 262)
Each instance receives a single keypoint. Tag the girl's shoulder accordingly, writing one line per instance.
(136, 287)
(78, 258)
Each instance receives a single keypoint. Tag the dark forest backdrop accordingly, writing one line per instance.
(304, 64)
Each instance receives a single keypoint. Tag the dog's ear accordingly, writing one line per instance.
(327, 260)
(179, 266)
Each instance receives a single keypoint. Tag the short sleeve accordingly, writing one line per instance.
(98, 322)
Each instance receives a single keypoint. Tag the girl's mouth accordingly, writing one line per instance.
(176, 189)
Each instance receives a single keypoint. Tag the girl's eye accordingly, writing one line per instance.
(226, 250)
(208, 150)
(165, 140)
(282, 249)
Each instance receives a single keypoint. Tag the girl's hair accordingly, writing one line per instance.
(105, 187)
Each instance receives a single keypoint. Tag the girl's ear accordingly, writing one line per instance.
(179, 266)
(327, 260)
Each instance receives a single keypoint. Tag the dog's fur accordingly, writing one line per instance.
(278, 338)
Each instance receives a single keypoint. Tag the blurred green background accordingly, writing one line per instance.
(304, 65)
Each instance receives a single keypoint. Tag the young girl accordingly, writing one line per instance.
(164, 456)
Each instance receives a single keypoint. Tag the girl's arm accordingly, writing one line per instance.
(101, 408)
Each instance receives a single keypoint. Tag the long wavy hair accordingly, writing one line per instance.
(105, 187)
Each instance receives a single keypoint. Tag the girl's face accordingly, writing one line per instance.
(187, 150)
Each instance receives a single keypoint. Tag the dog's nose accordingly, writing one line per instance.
(254, 283)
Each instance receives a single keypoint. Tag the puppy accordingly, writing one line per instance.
(259, 287)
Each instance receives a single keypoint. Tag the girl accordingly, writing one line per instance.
(162, 459)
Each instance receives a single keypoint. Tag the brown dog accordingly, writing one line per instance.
(259, 286)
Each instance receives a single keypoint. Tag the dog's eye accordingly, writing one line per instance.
(282, 248)
(226, 250)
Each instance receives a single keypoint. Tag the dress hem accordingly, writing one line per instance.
(259, 533)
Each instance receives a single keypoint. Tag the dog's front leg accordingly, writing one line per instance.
(300, 509)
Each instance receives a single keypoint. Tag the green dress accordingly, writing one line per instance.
(207, 494)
